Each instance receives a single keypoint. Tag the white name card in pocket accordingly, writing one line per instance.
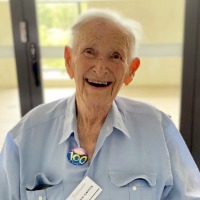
(86, 190)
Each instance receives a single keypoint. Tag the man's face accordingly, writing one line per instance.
(99, 61)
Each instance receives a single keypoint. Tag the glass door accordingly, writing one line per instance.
(9, 98)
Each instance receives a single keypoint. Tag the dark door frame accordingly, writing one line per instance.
(27, 53)
(190, 100)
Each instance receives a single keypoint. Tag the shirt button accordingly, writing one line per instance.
(134, 188)
(40, 198)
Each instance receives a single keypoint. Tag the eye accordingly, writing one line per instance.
(89, 52)
(116, 56)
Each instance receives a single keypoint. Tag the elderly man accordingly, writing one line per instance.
(95, 145)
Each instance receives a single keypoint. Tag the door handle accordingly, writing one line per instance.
(34, 64)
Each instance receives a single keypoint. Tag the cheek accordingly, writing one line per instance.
(84, 65)
(119, 72)
(79, 68)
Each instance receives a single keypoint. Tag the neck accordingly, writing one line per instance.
(90, 118)
(91, 114)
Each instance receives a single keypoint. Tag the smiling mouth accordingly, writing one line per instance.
(98, 83)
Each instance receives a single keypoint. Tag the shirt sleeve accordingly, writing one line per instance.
(9, 170)
(186, 176)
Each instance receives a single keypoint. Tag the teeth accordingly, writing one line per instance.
(97, 82)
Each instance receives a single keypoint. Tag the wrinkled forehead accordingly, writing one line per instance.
(103, 30)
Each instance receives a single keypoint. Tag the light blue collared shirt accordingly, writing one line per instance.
(139, 155)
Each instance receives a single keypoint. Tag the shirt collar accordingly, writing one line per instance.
(69, 120)
(117, 119)
(113, 120)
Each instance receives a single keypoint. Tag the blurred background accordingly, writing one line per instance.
(42, 26)
(158, 81)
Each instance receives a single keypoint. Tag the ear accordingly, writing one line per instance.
(132, 69)
(67, 55)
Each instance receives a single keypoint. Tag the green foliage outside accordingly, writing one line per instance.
(54, 20)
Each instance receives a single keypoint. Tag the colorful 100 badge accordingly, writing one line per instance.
(77, 156)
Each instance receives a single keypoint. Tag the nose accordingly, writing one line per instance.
(100, 67)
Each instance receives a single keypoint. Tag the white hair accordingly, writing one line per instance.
(132, 27)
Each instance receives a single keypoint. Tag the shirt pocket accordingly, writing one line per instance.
(133, 186)
(44, 189)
